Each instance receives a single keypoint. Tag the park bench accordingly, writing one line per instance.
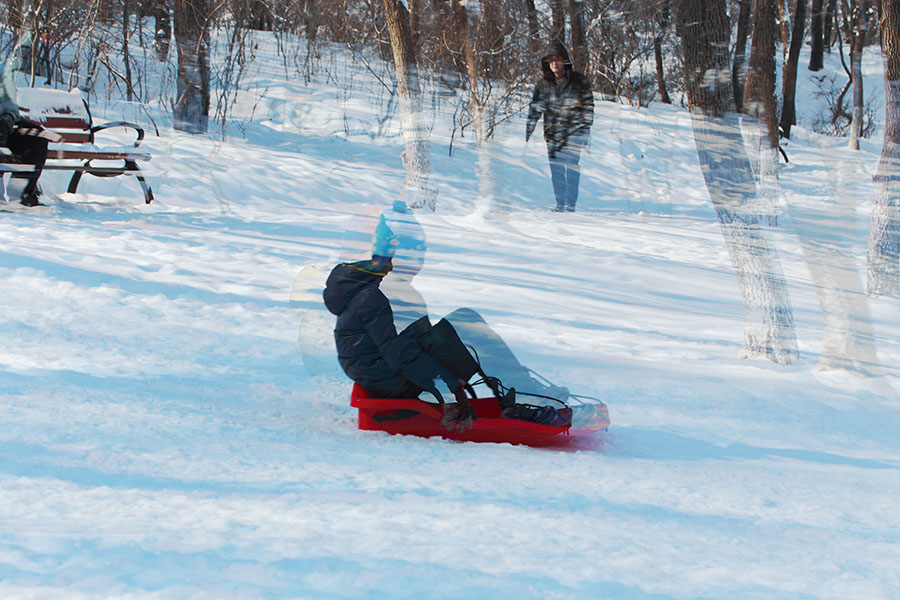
(67, 120)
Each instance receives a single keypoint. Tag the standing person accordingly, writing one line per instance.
(565, 100)
(24, 139)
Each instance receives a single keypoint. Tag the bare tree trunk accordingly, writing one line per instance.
(483, 168)
(789, 75)
(417, 157)
(492, 35)
(759, 95)
(415, 29)
(163, 34)
(761, 108)
(662, 21)
(817, 49)
(704, 28)
(261, 17)
(860, 24)
(827, 238)
(461, 21)
(783, 20)
(579, 47)
(534, 31)
(884, 236)
(829, 28)
(558, 21)
(739, 67)
(126, 54)
(191, 110)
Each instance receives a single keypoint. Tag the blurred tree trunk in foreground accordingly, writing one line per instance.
(417, 156)
(884, 241)
(704, 28)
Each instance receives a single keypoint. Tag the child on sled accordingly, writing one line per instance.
(389, 364)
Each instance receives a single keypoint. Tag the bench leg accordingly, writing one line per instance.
(73, 183)
(130, 165)
(148, 193)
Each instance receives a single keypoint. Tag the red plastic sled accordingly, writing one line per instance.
(395, 416)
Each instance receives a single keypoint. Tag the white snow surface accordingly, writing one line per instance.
(162, 439)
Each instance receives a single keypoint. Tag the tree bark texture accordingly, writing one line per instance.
(483, 168)
(558, 21)
(191, 110)
(817, 41)
(739, 67)
(163, 24)
(534, 32)
(126, 52)
(883, 269)
(761, 108)
(704, 28)
(579, 47)
(415, 28)
(417, 156)
(789, 74)
(759, 95)
(461, 23)
(829, 25)
(493, 36)
(859, 29)
(783, 22)
(662, 21)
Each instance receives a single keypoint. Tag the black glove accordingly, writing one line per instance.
(458, 416)
(7, 125)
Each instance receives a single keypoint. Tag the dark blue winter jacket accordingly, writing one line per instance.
(369, 349)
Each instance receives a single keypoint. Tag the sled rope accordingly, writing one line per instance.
(501, 391)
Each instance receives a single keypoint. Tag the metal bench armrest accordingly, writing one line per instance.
(138, 129)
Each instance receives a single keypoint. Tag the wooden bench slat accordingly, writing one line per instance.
(64, 123)
(95, 155)
(73, 154)
(73, 137)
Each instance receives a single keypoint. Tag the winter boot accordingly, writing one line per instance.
(543, 415)
(31, 199)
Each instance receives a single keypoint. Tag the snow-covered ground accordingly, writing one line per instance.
(161, 437)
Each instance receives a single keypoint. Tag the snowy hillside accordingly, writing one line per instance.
(163, 439)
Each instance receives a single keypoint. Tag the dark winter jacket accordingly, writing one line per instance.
(9, 109)
(567, 105)
(369, 349)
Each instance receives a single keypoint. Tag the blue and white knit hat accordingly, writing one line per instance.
(384, 242)
(400, 236)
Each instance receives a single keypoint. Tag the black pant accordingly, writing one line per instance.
(31, 150)
(442, 343)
